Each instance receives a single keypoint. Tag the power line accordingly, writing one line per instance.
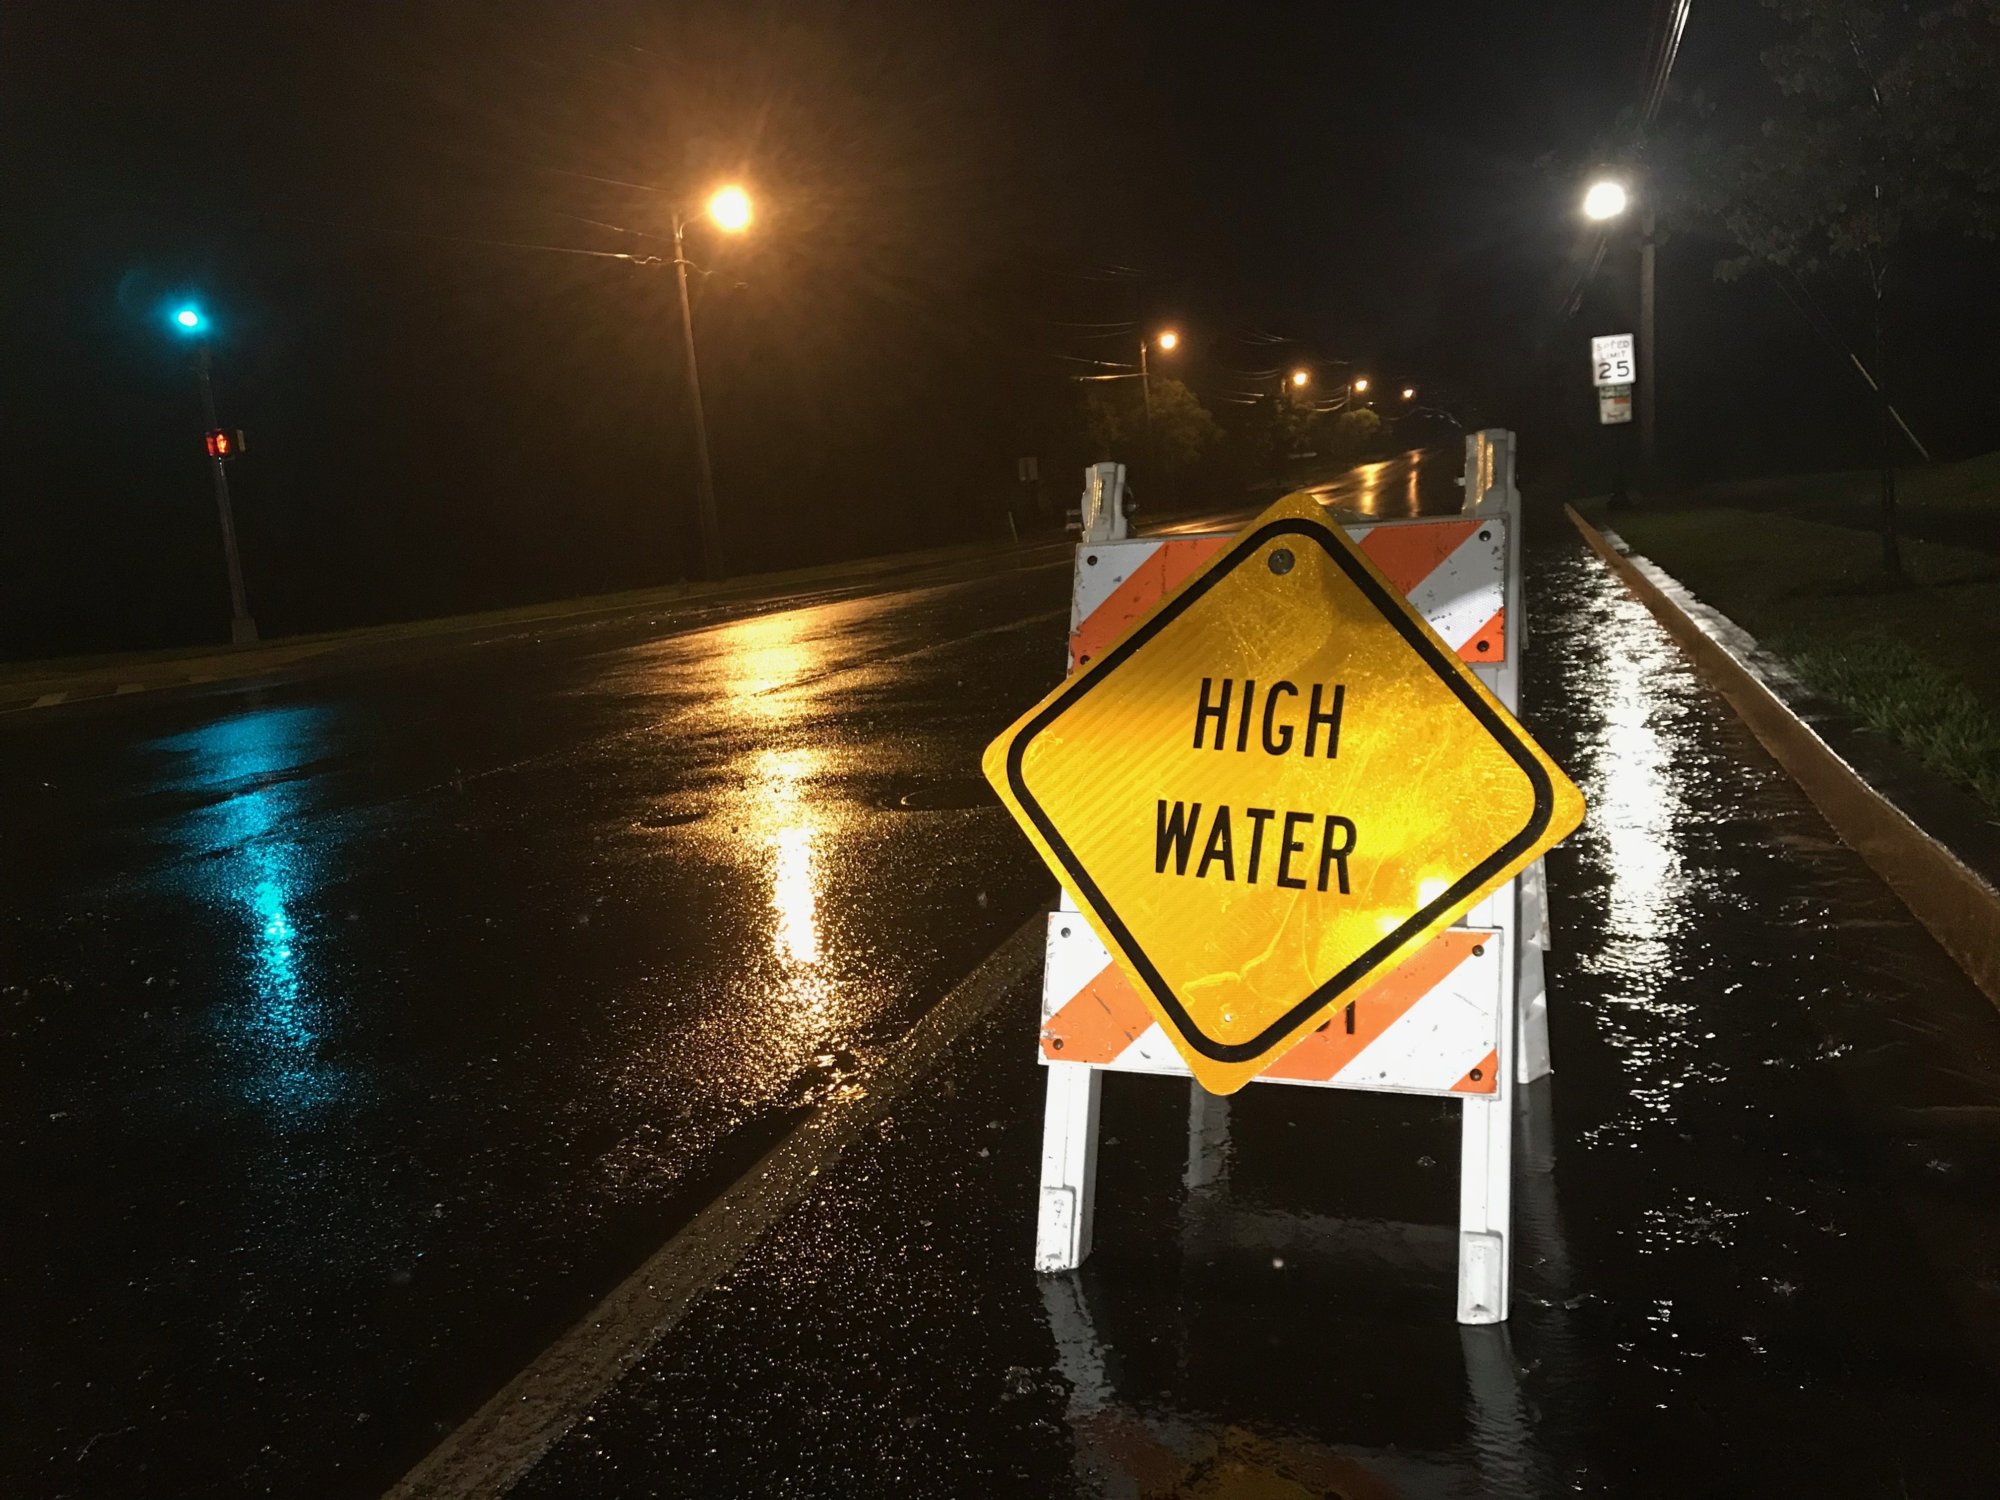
(1663, 48)
(1103, 364)
(465, 239)
(1661, 63)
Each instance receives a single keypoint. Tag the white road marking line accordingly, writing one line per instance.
(498, 1445)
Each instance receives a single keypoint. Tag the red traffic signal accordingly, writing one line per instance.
(222, 443)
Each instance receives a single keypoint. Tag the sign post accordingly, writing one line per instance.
(1613, 370)
(1272, 785)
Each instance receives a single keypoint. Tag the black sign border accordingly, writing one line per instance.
(1447, 668)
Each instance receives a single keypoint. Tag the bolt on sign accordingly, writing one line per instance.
(1273, 789)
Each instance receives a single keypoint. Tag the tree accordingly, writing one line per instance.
(1183, 429)
(1107, 417)
(1294, 418)
(1887, 122)
(1117, 423)
(1349, 435)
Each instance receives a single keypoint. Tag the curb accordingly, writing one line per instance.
(1953, 902)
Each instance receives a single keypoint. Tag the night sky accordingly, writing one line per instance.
(949, 197)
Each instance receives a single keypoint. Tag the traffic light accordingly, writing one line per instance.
(222, 443)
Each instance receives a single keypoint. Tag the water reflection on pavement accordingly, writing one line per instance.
(247, 857)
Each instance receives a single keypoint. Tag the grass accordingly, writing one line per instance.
(1918, 661)
(1900, 693)
(1949, 503)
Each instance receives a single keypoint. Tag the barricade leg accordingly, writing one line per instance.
(1532, 1060)
(1069, 1166)
(1485, 1190)
(1208, 1139)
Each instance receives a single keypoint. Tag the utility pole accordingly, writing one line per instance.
(1647, 385)
(242, 629)
(1146, 388)
(1146, 399)
(711, 533)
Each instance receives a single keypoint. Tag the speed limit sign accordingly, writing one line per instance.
(1611, 360)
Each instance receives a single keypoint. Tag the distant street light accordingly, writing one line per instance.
(728, 210)
(1167, 341)
(1604, 200)
(189, 322)
(1409, 393)
(1301, 377)
(1361, 385)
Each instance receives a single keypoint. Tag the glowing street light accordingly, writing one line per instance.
(1409, 393)
(1605, 199)
(1301, 377)
(728, 209)
(1361, 385)
(1168, 341)
(188, 319)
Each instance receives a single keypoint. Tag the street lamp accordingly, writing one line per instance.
(189, 321)
(1166, 341)
(1300, 378)
(1361, 385)
(1604, 200)
(728, 209)
(1409, 393)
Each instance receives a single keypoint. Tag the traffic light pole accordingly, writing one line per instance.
(242, 629)
(711, 533)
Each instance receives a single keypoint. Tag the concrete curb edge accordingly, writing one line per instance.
(1958, 908)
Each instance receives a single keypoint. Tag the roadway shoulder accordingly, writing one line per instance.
(1929, 843)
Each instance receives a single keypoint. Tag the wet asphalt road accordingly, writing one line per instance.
(360, 1032)
(366, 1029)
(1757, 1212)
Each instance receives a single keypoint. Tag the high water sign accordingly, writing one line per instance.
(1276, 787)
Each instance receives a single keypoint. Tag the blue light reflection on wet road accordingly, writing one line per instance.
(253, 859)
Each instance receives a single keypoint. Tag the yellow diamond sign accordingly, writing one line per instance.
(1276, 787)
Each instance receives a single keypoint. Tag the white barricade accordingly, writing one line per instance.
(1467, 1016)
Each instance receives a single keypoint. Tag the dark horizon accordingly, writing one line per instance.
(954, 209)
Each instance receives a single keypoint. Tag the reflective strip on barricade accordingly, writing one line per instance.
(1431, 1026)
(1453, 570)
